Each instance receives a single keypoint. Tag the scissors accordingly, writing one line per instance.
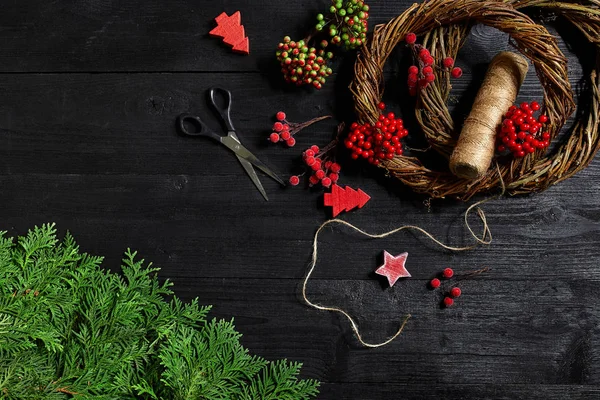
(230, 140)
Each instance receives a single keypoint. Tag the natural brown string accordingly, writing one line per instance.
(485, 239)
(473, 153)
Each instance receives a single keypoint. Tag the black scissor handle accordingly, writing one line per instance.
(198, 127)
(224, 110)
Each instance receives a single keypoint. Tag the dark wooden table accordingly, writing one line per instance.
(89, 94)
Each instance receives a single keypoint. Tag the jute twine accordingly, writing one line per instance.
(484, 239)
(444, 24)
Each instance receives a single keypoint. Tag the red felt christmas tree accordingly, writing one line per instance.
(231, 30)
(345, 199)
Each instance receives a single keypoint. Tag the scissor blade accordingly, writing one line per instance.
(250, 170)
(241, 151)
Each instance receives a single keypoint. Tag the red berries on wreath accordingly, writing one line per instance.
(378, 142)
(521, 133)
(422, 74)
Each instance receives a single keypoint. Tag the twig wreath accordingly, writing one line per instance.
(445, 25)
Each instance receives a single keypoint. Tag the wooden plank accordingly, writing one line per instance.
(153, 35)
(197, 226)
(370, 391)
(499, 332)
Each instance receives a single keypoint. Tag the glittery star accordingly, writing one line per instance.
(393, 267)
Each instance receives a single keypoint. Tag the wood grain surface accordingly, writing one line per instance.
(90, 91)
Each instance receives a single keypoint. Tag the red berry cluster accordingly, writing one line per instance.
(521, 133)
(421, 75)
(455, 292)
(284, 131)
(303, 65)
(323, 171)
(377, 142)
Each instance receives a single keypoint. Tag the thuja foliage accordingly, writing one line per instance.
(70, 329)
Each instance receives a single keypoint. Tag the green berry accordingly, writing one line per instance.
(319, 27)
(345, 36)
(342, 12)
(332, 9)
(287, 39)
(332, 31)
(320, 17)
(365, 8)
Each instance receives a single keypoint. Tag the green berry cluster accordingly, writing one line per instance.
(304, 65)
(345, 24)
(348, 24)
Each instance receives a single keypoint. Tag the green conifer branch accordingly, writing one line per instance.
(70, 329)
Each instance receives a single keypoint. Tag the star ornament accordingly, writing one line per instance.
(393, 267)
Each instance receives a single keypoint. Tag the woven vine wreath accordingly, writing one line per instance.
(445, 25)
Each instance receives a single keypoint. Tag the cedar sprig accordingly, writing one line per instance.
(69, 328)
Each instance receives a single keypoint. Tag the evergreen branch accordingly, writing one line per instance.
(68, 328)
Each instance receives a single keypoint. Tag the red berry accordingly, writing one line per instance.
(280, 116)
(413, 70)
(448, 273)
(455, 292)
(543, 119)
(411, 38)
(310, 161)
(294, 180)
(309, 153)
(315, 148)
(326, 182)
(334, 177)
(535, 106)
(274, 137)
(448, 302)
(427, 70)
(277, 126)
(448, 62)
(381, 105)
(285, 135)
(291, 142)
(430, 78)
(456, 72)
(320, 174)
(313, 180)
(428, 60)
(435, 283)
(335, 167)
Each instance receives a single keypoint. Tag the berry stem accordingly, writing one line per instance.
(297, 127)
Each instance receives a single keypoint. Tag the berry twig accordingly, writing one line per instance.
(284, 130)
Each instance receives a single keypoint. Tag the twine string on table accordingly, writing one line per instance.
(485, 239)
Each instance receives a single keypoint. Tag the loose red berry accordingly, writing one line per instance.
(455, 292)
(435, 283)
(381, 105)
(448, 302)
(411, 38)
(294, 180)
(280, 116)
(291, 142)
(448, 273)
(277, 126)
(456, 72)
(274, 137)
(448, 62)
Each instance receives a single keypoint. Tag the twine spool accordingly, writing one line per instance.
(473, 153)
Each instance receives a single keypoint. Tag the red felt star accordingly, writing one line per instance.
(393, 267)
